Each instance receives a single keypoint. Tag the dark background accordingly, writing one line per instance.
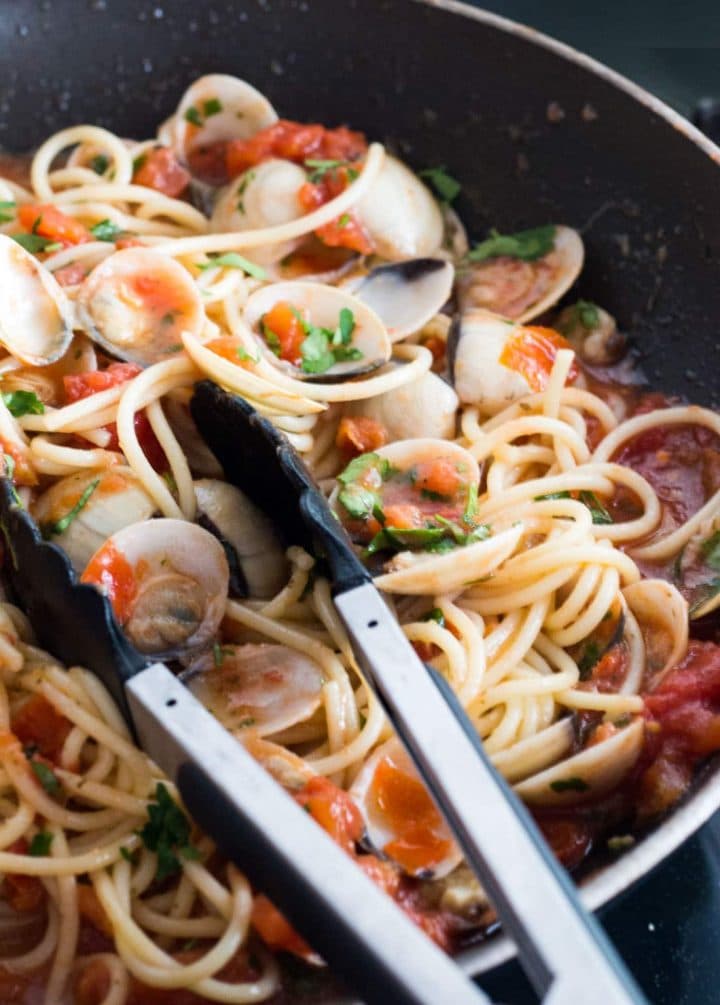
(668, 930)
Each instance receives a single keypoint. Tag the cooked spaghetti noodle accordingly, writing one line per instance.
(538, 526)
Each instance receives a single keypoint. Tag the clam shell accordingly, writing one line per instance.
(406, 295)
(427, 407)
(662, 613)
(244, 111)
(138, 303)
(36, 320)
(474, 347)
(587, 775)
(322, 305)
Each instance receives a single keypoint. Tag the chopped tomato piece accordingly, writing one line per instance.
(48, 221)
(346, 232)
(282, 323)
(38, 722)
(23, 472)
(403, 516)
(92, 910)
(110, 570)
(71, 275)
(334, 810)
(23, 893)
(161, 170)
(128, 242)
(231, 349)
(569, 837)
(426, 650)
(210, 163)
(82, 385)
(439, 476)
(437, 347)
(275, 931)
(359, 434)
(531, 352)
(294, 141)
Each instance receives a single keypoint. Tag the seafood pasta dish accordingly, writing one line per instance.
(545, 528)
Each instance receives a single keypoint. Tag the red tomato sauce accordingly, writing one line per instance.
(111, 571)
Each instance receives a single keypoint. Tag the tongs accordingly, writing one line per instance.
(362, 935)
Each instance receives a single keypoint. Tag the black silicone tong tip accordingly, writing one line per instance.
(72, 620)
(260, 461)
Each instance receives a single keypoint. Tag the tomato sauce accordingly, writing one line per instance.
(111, 571)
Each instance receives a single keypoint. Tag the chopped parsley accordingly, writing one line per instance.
(35, 243)
(446, 187)
(527, 245)
(139, 163)
(344, 220)
(234, 261)
(106, 230)
(359, 465)
(553, 495)
(321, 348)
(40, 844)
(99, 163)
(589, 658)
(317, 169)
(47, 777)
(10, 474)
(711, 550)
(61, 525)
(21, 403)
(245, 356)
(597, 510)
(219, 654)
(212, 107)
(359, 501)
(569, 785)
(471, 504)
(209, 108)
(192, 115)
(129, 856)
(435, 615)
(7, 211)
(167, 833)
(242, 188)
(587, 314)
(272, 339)
(441, 536)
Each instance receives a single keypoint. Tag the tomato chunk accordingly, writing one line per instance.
(296, 142)
(110, 570)
(38, 722)
(160, 169)
(283, 324)
(71, 275)
(334, 810)
(359, 434)
(531, 352)
(82, 385)
(48, 221)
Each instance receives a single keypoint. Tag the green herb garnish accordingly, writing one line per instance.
(139, 163)
(7, 211)
(471, 503)
(587, 314)
(553, 495)
(244, 355)
(129, 856)
(192, 115)
(620, 843)
(359, 465)
(212, 107)
(527, 245)
(589, 658)
(35, 243)
(234, 261)
(40, 844)
(343, 220)
(319, 168)
(711, 550)
(569, 785)
(99, 163)
(21, 403)
(47, 777)
(272, 339)
(167, 833)
(242, 188)
(106, 230)
(61, 525)
(435, 615)
(446, 187)
(359, 502)
(597, 510)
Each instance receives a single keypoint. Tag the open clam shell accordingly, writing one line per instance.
(523, 290)
(407, 294)
(113, 499)
(264, 196)
(214, 108)
(320, 306)
(36, 320)
(137, 303)
(167, 581)
(589, 774)
(266, 688)
(662, 614)
(400, 214)
(400, 817)
(427, 407)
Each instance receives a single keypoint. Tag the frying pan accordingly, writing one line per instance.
(534, 131)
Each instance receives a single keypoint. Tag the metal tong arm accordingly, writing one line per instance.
(563, 949)
(356, 927)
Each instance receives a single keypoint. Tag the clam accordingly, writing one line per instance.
(214, 108)
(264, 687)
(427, 407)
(406, 295)
(521, 289)
(662, 614)
(593, 772)
(137, 303)
(494, 361)
(81, 511)
(338, 335)
(400, 214)
(592, 333)
(256, 556)
(400, 817)
(264, 196)
(36, 321)
(167, 581)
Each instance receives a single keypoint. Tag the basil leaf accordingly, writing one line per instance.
(317, 356)
(234, 261)
(359, 502)
(21, 403)
(6, 217)
(61, 525)
(35, 243)
(527, 245)
(711, 550)
(359, 465)
(106, 230)
(447, 187)
(99, 163)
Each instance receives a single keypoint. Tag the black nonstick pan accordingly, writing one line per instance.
(534, 131)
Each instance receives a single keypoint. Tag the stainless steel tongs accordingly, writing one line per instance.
(360, 933)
